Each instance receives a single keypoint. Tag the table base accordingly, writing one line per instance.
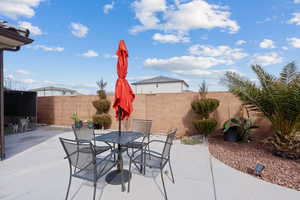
(115, 177)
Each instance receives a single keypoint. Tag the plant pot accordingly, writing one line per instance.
(78, 124)
(231, 135)
(90, 125)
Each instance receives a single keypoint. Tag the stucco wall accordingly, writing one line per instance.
(166, 110)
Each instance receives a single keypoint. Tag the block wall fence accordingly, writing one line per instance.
(166, 110)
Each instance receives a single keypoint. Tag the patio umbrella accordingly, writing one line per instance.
(124, 95)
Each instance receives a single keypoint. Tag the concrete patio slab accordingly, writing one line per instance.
(40, 172)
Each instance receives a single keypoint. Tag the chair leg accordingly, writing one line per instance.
(122, 177)
(70, 179)
(171, 172)
(162, 179)
(128, 189)
(95, 186)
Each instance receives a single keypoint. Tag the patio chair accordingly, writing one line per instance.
(88, 134)
(153, 159)
(83, 162)
(142, 126)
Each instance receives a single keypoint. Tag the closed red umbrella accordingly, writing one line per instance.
(124, 95)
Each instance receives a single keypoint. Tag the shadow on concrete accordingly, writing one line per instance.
(18, 143)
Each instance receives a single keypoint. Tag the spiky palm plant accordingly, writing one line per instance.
(278, 99)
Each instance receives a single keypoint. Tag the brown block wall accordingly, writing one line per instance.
(166, 110)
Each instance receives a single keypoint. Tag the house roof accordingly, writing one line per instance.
(14, 35)
(50, 88)
(159, 79)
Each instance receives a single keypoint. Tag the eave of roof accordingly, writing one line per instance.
(13, 34)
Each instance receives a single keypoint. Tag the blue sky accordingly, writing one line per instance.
(75, 41)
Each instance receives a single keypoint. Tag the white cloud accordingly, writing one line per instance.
(90, 54)
(185, 63)
(18, 8)
(295, 19)
(23, 72)
(28, 81)
(267, 44)
(219, 51)
(45, 48)
(181, 17)
(198, 14)
(240, 42)
(169, 38)
(294, 42)
(207, 74)
(190, 66)
(79, 30)
(296, 1)
(285, 48)
(34, 30)
(108, 7)
(107, 55)
(267, 59)
(145, 12)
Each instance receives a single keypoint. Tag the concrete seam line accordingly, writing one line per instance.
(212, 175)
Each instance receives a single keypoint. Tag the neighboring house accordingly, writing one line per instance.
(160, 84)
(54, 91)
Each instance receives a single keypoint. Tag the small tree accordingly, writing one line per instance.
(204, 107)
(277, 98)
(102, 119)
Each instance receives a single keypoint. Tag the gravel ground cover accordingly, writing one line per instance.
(245, 156)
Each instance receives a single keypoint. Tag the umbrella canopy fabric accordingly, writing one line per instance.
(124, 95)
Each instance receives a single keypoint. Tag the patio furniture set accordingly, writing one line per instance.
(90, 161)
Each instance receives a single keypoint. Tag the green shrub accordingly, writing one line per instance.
(101, 94)
(204, 107)
(190, 141)
(206, 126)
(102, 120)
(102, 106)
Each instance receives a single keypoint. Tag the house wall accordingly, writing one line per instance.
(54, 93)
(167, 110)
(159, 88)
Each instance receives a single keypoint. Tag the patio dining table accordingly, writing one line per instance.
(119, 176)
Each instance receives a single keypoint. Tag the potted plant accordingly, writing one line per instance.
(102, 120)
(77, 121)
(238, 129)
(90, 124)
(204, 107)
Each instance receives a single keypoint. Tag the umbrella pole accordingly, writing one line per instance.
(119, 146)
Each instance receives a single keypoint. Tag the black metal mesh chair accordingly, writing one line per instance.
(88, 134)
(83, 162)
(142, 126)
(153, 159)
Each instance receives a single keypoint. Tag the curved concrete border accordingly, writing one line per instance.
(231, 184)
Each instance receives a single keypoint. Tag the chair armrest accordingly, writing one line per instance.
(154, 152)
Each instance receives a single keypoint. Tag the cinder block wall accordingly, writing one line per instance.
(166, 110)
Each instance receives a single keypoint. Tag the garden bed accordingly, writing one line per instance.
(245, 156)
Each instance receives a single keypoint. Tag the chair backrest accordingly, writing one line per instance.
(141, 125)
(168, 144)
(80, 154)
(83, 133)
